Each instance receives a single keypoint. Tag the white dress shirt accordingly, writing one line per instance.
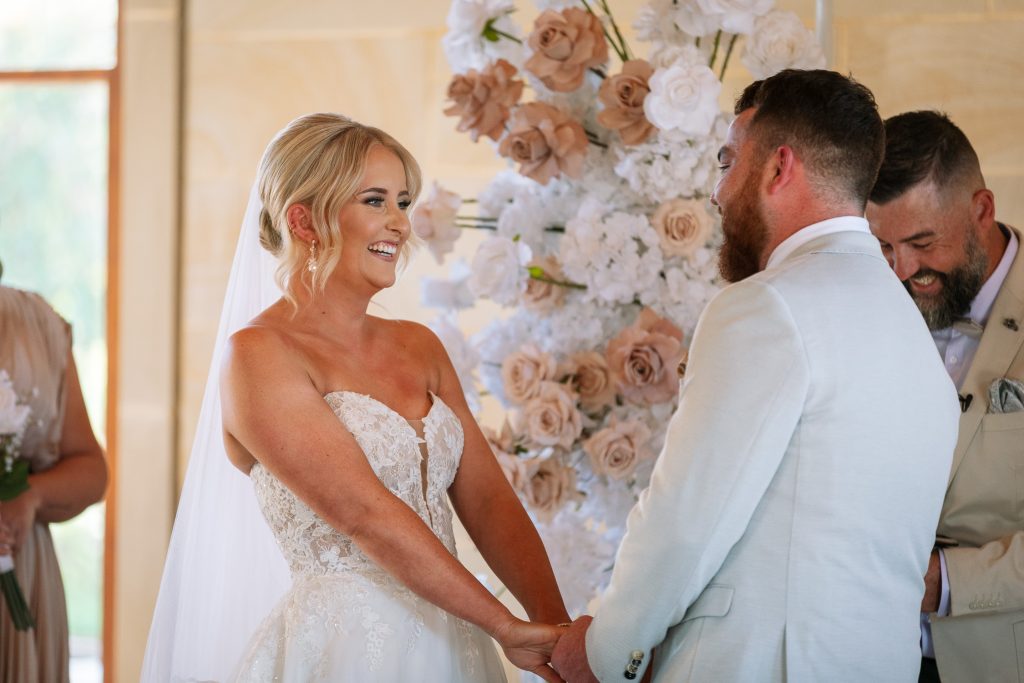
(814, 231)
(957, 350)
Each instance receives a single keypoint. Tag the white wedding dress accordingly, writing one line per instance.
(344, 618)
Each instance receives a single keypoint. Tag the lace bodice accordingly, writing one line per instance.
(391, 445)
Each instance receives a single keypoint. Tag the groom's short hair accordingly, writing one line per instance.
(829, 120)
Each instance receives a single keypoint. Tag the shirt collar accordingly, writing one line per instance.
(814, 231)
(981, 307)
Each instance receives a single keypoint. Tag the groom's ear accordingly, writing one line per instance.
(783, 164)
(300, 222)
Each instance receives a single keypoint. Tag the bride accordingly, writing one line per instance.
(355, 435)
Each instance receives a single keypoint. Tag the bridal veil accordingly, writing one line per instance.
(223, 571)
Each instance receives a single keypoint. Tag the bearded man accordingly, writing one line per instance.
(935, 220)
(789, 519)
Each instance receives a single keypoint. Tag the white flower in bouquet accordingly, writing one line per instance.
(704, 17)
(463, 355)
(499, 270)
(433, 220)
(781, 41)
(684, 97)
(466, 46)
(13, 414)
(448, 294)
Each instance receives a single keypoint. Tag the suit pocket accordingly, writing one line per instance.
(715, 601)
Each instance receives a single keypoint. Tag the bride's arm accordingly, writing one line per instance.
(494, 517)
(272, 409)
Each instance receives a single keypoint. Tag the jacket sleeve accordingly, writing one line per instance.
(979, 578)
(746, 383)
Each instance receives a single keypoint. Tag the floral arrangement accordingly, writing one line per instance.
(13, 482)
(603, 241)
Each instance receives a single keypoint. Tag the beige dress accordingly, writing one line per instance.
(34, 343)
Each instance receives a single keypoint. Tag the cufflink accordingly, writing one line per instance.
(636, 658)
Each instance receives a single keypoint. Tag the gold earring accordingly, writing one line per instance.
(311, 261)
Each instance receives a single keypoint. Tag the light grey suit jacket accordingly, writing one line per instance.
(789, 520)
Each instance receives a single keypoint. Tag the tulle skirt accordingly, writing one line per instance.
(353, 627)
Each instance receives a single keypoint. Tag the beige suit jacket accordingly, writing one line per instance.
(983, 513)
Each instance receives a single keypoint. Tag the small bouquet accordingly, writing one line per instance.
(13, 482)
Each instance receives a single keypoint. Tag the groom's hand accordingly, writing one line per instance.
(570, 656)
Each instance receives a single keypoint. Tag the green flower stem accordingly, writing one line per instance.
(476, 226)
(499, 32)
(728, 54)
(537, 274)
(608, 36)
(615, 27)
(482, 219)
(714, 50)
(15, 599)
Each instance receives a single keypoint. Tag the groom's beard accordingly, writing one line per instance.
(959, 286)
(745, 234)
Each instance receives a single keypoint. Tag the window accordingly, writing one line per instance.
(58, 70)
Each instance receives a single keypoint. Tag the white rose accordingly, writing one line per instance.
(781, 41)
(12, 415)
(464, 44)
(499, 270)
(685, 98)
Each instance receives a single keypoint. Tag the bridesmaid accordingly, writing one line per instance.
(68, 473)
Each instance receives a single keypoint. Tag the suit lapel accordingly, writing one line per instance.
(999, 345)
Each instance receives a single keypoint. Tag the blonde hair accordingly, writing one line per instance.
(317, 160)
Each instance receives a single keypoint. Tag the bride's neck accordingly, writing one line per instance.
(337, 312)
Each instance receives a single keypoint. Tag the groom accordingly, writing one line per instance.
(787, 527)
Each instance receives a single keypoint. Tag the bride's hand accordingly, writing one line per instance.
(528, 645)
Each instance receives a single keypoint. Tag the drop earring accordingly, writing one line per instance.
(311, 261)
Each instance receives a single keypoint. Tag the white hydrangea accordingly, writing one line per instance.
(672, 165)
(781, 41)
(464, 44)
(615, 254)
(655, 21)
(502, 189)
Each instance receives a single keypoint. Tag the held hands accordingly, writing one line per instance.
(569, 658)
(529, 645)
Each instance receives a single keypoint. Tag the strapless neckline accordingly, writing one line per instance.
(434, 400)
